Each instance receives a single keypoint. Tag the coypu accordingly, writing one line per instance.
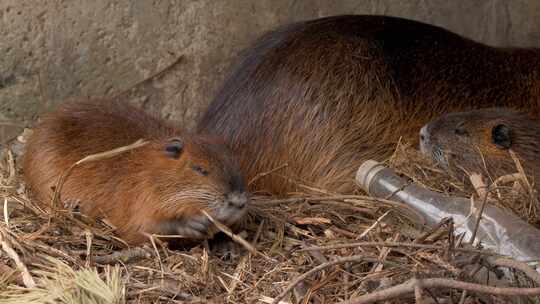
(159, 188)
(479, 141)
(322, 96)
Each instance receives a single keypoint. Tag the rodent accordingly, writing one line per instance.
(324, 95)
(159, 188)
(479, 141)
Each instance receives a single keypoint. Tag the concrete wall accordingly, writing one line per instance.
(55, 49)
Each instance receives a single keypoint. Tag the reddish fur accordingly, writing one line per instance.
(327, 94)
(129, 189)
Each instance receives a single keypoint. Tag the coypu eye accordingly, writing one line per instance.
(460, 129)
(200, 170)
(174, 148)
(500, 136)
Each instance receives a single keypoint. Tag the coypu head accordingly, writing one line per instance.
(479, 141)
(191, 174)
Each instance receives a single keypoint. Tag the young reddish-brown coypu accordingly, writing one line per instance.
(159, 188)
(480, 141)
(324, 95)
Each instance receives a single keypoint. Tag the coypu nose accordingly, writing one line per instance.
(237, 199)
(424, 133)
(424, 139)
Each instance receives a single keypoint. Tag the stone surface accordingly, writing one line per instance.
(55, 50)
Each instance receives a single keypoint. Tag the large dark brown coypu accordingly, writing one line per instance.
(159, 188)
(324, 95)
(480, 141)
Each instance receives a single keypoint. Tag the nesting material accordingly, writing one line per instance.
(303, 249)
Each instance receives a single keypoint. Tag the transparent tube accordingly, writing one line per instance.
(499, 231)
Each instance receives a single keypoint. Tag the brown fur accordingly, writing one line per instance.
(140, 190)
(324, 95)
(465, 142)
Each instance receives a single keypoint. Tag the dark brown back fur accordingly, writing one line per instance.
(324, 95)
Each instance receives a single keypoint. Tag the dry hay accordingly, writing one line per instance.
(65, 258)
(513, 192)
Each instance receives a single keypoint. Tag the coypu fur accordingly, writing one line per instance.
(159, 188)
(479, 141)
(324, 95)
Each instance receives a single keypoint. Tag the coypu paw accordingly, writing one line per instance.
(194, 227)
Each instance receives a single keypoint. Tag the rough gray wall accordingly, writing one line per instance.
(54, 50)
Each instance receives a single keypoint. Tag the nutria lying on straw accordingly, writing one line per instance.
(480, 141)
(324, 95)
(159, 188)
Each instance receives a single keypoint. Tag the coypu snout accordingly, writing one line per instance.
(206, 178)
(233, 207)
(237, 200)
(429, 146)
(228, 211)
(424, 139)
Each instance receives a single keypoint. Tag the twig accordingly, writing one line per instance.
(51, 251)
(290, 287)
(123, 256)
(11, 167)
(418, 294)
(269, 300)
(382, 256)
(317, 255)
(26, 277)
(432, 230)
(480, 187)
(158, 256)
(163, 288)
(235, 279)
(505, 179)
(363, 234)
(463, 297)
(89, 238)
(522, 266)
(521, 171)
(233, 236)
(394, 244)
(343, 232)
(6, 214)
(409, 286)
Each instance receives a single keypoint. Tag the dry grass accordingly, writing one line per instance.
(64, 259)
(60, 283)
(509, 192)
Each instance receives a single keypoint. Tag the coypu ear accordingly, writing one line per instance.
(500, 136)
(174, 148)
